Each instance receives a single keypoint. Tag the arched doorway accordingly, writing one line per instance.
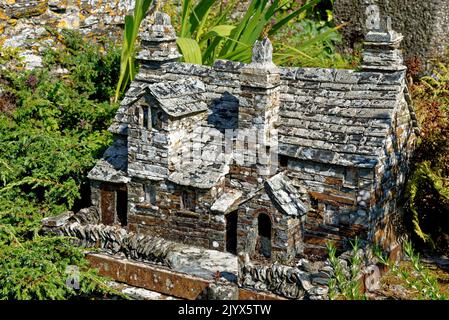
(231, 232)
(264, 232)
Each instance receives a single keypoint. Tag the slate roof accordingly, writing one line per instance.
(202, 177)
(226, 201)
(176, 98)
(285, 196)
(113, 165)
(135, 92)
(179, 98)
(338, 116)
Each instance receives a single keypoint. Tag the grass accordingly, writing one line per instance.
(395, 287)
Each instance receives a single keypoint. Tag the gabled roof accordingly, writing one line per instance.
(135, 92)
(340, 117)
(226, 201)
(179, 98)
(113, 165)
(285, 196)
(176, 98)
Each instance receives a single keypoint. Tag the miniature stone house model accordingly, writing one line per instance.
(341, 141)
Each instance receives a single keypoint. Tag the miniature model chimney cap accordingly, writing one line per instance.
(261, 72)
(263, 52)
(379, 28)
(158, 28)
(158, 40)
(381, 46)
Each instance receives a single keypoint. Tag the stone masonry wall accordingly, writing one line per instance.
(23, 23)
(391, 174)
(286, 238)
(167, 220)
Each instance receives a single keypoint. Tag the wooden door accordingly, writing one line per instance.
(108, 204)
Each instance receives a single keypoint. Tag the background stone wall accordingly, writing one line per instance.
(24, 23)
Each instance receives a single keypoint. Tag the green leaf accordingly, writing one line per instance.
(130, 34)
(190, 50)
(218, 31)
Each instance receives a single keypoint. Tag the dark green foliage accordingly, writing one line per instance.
(93, 73)
(428, 185)
(309, 43)
(51, 134)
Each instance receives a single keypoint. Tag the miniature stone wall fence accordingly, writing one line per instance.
(85, 229)
(110, 239)
(306, 280)
(290, 282)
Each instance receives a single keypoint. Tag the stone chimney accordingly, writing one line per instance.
(158, 42)
(259, 104)
(260, 87)
(381, 46)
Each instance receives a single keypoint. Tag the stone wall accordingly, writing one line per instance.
(166, 219)
(391, 174)
(424, 24)
(24, 23)
(336, 213)
(307, 279)
(86, 230)
(286, 237)
(90, 16)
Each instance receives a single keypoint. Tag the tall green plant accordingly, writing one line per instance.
(342, 284)
(132, 25)
(206, 37)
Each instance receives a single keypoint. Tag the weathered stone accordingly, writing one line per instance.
(57, 221)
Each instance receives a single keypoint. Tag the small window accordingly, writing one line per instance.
(145, 117)
(188, 200)
(264, 231)
(150, 194)
(156, 118)
(283, 161)
(142, 116)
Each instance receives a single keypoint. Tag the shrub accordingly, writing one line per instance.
(428, 185)
(51, 133)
